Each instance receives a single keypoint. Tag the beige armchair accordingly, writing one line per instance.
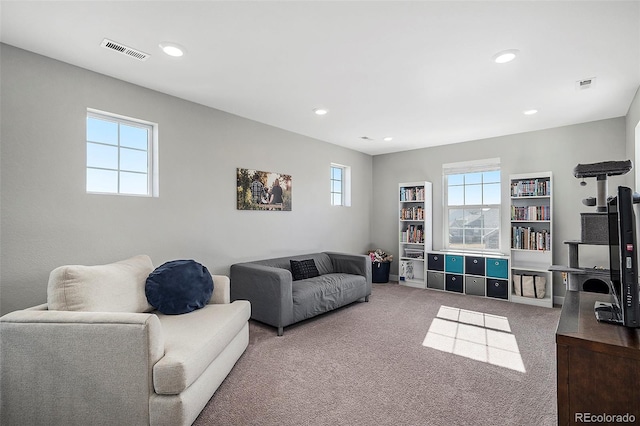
(107, 368)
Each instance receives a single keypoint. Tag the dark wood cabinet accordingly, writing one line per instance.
(598, 365)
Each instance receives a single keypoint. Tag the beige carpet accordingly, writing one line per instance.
(373, 364)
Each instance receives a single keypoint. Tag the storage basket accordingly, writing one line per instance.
(533, 286)
(414, 253)
(380, 272)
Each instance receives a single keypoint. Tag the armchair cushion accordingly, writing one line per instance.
(179, 287)
(193, 341)
(116, 287)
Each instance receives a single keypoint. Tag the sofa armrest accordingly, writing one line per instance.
(221, 290)
(61, 367)
(357, 264)
(268, 289)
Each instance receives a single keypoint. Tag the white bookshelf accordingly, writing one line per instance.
(532, 232)
(414, 231)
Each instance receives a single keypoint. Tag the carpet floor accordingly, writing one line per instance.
(407, 357)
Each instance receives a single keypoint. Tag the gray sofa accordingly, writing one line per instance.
(104, 357)
(278, 300)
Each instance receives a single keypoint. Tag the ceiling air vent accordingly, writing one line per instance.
(587, 83)
(125, 50)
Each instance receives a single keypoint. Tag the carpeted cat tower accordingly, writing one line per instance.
(594, 227)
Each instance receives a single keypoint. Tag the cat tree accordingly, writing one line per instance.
(594, 227)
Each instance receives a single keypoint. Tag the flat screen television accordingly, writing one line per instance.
(623, 260)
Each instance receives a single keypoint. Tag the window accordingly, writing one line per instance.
(120, 155)
(340, 185)
(472, 205)
(337, 190)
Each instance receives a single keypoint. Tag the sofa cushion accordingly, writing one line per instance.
(303, 269)
(321, 294)
(193, 341)
(116, 287)
(179, 287)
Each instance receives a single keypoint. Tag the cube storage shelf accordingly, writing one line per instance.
(473, 274)
(415, 231)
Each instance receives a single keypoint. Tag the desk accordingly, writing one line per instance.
(598, 365)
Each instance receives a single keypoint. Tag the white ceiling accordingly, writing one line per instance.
(419, 71)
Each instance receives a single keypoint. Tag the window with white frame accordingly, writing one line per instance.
(340, 185)
(120, 155)
(472, 205)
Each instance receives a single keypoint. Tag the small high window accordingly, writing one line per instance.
(120, 155)
(340, 185)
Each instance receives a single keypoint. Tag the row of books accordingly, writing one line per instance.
(412, 194)
(413, 234)
(526, 238)
(412, 213)
(531, 213)
(531, 188)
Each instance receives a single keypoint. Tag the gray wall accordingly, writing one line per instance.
(47, 219)
(557, 150)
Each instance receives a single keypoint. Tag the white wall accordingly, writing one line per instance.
(47, 219)
(557, 150)
(633, 135)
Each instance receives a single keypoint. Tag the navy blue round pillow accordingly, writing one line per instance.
(179, 286)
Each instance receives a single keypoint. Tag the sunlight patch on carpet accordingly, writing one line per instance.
(476, 335)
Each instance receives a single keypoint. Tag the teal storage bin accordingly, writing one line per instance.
(454, 264)
(497, 268)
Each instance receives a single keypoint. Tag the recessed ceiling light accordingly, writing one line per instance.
(530, 112)
(172, 49)
(505, 56)
(388, 139)
(320, 111)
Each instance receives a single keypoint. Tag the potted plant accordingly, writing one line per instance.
(380, 265)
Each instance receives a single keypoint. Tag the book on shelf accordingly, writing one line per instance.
(413, 234)
(531, 188)
(412, 194)
(412, 213)
(526, 238)
(530, 213)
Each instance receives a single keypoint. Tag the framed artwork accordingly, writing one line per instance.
(258, 190)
